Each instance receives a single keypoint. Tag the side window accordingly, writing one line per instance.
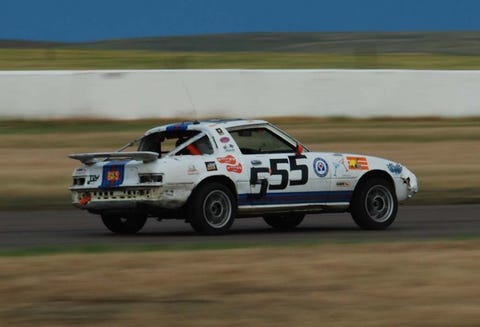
(199, 147)
(260, 140)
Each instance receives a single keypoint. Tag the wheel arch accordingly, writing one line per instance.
(376, 174)
(218, 179)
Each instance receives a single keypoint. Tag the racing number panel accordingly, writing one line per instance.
(284, 174)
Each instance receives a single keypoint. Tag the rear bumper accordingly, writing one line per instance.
(157, 197)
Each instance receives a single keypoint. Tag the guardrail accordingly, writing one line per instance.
(133, 94)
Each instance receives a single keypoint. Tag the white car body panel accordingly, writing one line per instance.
(307, 181)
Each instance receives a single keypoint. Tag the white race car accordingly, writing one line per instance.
(211, 172)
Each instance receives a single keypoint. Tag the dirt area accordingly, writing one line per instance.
(419, 284)
(376, 284)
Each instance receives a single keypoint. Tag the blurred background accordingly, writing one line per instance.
(396, 79)
(183, 34)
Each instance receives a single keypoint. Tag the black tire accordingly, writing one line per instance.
(284, 222)
(374, 205)
(124, 225)
(212, 209)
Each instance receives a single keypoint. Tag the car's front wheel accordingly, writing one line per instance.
(212, 209)
(284, 221)
(124, 225)
(374, 205)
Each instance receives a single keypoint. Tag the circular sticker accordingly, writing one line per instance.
(321, 167)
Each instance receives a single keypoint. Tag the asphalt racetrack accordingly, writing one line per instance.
(76, 228)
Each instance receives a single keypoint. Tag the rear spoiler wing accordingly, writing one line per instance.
(91, 158)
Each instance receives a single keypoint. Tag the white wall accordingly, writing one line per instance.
(125, 94)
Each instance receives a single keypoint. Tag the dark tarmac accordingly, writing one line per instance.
(75, 228)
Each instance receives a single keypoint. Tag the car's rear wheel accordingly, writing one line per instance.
(124, 225)
(212, 209)
(374, 205)
(284, 221)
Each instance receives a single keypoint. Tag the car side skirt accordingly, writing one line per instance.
(256, 210)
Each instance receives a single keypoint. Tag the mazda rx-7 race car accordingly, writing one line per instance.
(211, 172)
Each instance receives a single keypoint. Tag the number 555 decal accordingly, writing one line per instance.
(283, 173)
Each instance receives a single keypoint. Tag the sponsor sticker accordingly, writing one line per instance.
(395, 168)
(211, 165)
(231, 162)
(225, 139)
(357, 163)
(228, 159)
(320, 166)
(192, 170)
(80, 171)
(178, 127)
(340, 167)
(235, 169)
(219, 131)
(93, 178)
(229, 148)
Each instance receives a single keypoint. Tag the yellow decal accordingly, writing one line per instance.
(357, 163)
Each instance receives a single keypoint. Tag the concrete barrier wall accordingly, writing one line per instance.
(126, 94)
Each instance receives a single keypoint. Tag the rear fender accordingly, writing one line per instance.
(219, 179)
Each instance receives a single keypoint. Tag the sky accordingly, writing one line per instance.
(89, 20)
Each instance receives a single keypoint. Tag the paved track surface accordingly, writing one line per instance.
(75, 228)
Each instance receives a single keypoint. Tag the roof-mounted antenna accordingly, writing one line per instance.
(191, 101)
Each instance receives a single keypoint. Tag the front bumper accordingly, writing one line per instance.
(406, 185)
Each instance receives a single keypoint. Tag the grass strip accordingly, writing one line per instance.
(209, 245)
(64, 59)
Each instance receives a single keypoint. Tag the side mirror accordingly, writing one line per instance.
(299, 149)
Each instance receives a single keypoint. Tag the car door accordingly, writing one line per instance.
(279, 173)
